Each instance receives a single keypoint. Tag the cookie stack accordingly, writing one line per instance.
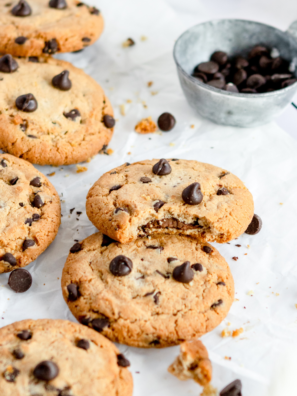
(150, 278)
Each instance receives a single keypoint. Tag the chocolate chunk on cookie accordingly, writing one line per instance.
(172, 197)
(59, 120)
(146, 293)
(30, 216)
(60, 358)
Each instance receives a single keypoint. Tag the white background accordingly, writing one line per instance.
(264, 158)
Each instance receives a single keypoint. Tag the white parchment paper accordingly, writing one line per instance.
(265, 159)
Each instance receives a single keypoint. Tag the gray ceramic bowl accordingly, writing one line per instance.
(234, 37)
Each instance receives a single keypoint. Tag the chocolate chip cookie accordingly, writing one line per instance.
(51, 113)
(37, 27)
(154, 292)
(170, 196)
(59, 358)
(30, 213)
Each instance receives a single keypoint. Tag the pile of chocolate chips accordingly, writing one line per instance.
(264, 70)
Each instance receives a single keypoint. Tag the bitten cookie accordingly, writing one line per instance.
(51, 113)
(44, 27)
(192, 363)
(173, 197)
(30, 213)
(59, 358)
(154, 292)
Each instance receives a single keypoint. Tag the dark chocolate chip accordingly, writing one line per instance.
(277, 64)
(220, 84)
(289, 82)
(166, 122)
(18, 354)
(115, 188)
(11, 373)
(121, 210)
(120, 266)
(58, 4)
(85, 320)
(9, 258)
(231, 88)
(255, 226)
(155, 342)
(248, 90)
(29, 221)
(197, 267)
(73, 292)
(100, 324)
(207, 249)
(258, 51)
(221, 284)
(162, 168)
(26, 103)
(233, 389)
(223, 191)
(83, 344)
(22, 9)
(20, 280)
(86, 39)
(216, 304)
(20, 40)
(94, 11)
(21, 204)
(183, 273)
(255, 81)
(33, 59)
(208, 67)
(32, 136)
(122, 361)
(24, 335)
(149, 293)
(239, 77)
(163, 276)
(219, 57)
(145, 179)
(51, 47)
(192, 194)
(28, 243)
(265, 62)
(155, 247)
(8, 64)
(80, 4)
(73, 114)
(76, 248)
(46, 370)
(24, 126)
(3, 163)
(241, 63)
(13, 181)
(35, 217)
(223, 174)
(157, 298)
(61, 81)
(37, 201)
(108, 121)
(106, 241)
(129, 42)
(218, 76)
(170, 259)
(235, 258)
(36, 182)
(201, 76)
(158, 205)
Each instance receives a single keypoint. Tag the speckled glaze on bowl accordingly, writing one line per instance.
(235, 37)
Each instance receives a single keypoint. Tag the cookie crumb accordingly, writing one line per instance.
(80, 169)
(51, 174)
(296, 306)
(226, 333)
(277, 294)
(129, 101)
(153, 93)
(192, 126)
(146, 125)
(237, 332)
(128, 43)
(209, 390)
(281, 203)
(227, 357)
(143, 38)
(235, 258)
(248, 246)
(129, 153)
(122, 110)
(109, 151)
(150, 83)
(250, 293)
(171, 144)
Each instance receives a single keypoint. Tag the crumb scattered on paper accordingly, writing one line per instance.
(235, 258)
(128, 43)
(226, 333)
(171, 144)
(147, 125)
(153, 93)
(209, 390)
(129, 101)
(143, 38)
(52, 174)
(237, 332)
(80, 169)
(122, 109)
(192, 126)
(150, 83)
(109, 151)
(250, 293)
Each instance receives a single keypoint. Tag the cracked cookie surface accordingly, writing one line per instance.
(30, 213)
(56, 357)
(66, 127)
(45, 30)
(166, 290)
(131, 201)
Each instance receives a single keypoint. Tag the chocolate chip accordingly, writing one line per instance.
(108, 121)
(258, 51)
(76, 248)
(73, 114)
(94, 11)
(20, 280)
(289, 82)
(9, 258)
(18, 354)
(255, 226)
(155, 247)
(85, 320)
(216, 304)
(120, 266)
(115, 188)
(51, 47)
(37, 201)
(58, 4)
(86, 39)
(220, 84)
(150, 293)
(231, 88)
(197, 267)
(28, 243)
(29, 221)
(8, 64)
(162, 168)
(155, 342)
(122, 361)
(13, 181)
(201, 76)
(235, 258)
(208, 67)
(223, 174)
(170, 259)
(239, 77)
(265, 62)
(73, 293)
(241, 63)
(33, 59)
(221, 284)
(61, 81)
(163, 276)
(166, 122)
(183, 273)
(24, 126)
(22, 9)
(83, 344)
(11, 373)
(100, 324)
(223, 191)
(145, 180)
(36, 182)
(219, 57)
(158, 205)
(255, 81)
(32, 136)
(26, 103)
(20, 40)
(121, 210)
(207, 249)
(192, 194)
(157, 298)
(3, 163)
(233, 389)
(106, 241)
(248, 90)
(24, 335)
(46, 370)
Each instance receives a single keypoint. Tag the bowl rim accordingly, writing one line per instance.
(221, 91)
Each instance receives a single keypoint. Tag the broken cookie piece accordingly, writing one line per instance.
(147, 125)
